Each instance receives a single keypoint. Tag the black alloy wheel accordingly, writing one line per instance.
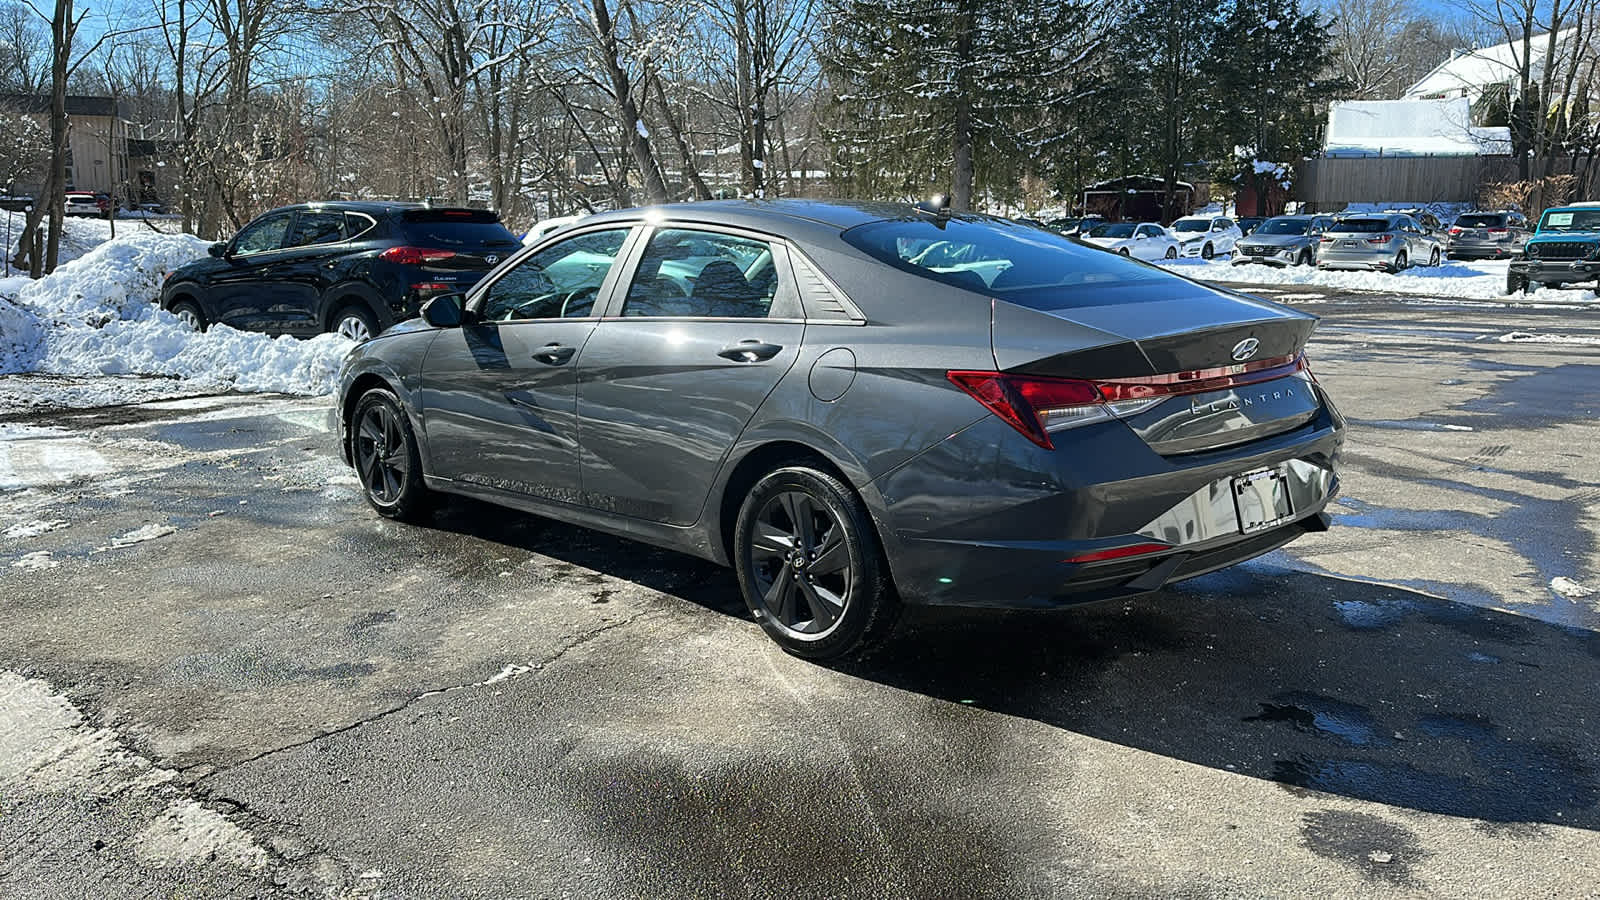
(810, 567)
(387, 462)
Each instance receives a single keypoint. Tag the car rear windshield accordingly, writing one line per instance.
(1111, 231)
(1284, 226)
(1015, 263)
(455, 228)
(1571, 220)
(1362, 226)
(1480, 221)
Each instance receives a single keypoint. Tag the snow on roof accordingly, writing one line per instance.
(1410, 128)
(1469, 72)
(1118, 182)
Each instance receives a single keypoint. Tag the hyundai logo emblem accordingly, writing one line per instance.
(491, 259)
(1245, 349)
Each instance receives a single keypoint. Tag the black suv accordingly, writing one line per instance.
(350, 268)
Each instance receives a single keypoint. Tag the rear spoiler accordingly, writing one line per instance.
(450, 214)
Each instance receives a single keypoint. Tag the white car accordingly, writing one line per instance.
(1206, 236)
(1146, 240)
(545, 226)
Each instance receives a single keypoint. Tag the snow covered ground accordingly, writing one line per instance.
(1452, 280)
(96, 316)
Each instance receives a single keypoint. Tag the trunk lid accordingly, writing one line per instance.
(1144, 330)
(475, 238)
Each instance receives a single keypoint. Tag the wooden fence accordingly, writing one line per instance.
(1400, 179)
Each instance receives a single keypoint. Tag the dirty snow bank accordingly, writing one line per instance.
(96, 315)
(1454, 280)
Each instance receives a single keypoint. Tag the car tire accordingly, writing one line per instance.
(1433, 258)
(1399, 264)
(1172, 253)
(1208, 252)
(355, 322)
(1516, 283)
(1304, 259)
(1124, 252)
(810, 566)
(387, 462)
(190, 314)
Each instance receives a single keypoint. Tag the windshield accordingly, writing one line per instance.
(1017, 264)
(1361, 226)
(1571, 220)
(1192, 225)
(1111, 231)
(1284, 226)
(1480, 221)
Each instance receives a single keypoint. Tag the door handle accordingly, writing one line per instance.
(750, 351)
(554, 354)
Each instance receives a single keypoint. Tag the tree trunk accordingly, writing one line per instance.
(634, 135)
(961, 136)
(34, 254)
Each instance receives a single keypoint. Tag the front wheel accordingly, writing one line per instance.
(1304, 259)
(1172, 253)
(810, 566)
(1124, 252)
(188, 312)
(387, 460)
(1207, 252)
(1433, 260)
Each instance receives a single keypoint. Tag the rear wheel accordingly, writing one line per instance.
(355, 322)
(1400, 262)
(188, 312)
(810, 565)
(388, 463)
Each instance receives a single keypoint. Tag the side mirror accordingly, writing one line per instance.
(445, 311)
(219, 250)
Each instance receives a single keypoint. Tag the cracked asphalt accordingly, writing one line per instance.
(222, 675)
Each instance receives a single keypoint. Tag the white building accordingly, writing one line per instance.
(1490, 73)
(1413, 127)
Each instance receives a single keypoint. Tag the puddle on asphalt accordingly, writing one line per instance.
(1314, 713)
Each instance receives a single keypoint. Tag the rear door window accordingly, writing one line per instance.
(686, 272)
(317, 228)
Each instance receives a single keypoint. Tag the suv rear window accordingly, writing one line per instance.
(1016, 263)
(1481, 221)
(455, 228)
(1363, 226)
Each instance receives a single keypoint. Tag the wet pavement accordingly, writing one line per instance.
(222, 675)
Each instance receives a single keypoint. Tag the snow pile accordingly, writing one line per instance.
(96, 315)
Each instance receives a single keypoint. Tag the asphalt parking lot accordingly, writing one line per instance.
(222, 675)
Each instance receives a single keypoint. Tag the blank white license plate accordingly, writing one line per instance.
(1349, 243)
(1262, 500)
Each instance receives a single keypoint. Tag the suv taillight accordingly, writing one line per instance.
(1499, 231)
(415, 256)
(1037, 405)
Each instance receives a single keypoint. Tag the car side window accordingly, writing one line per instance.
(561, 281)
(262, 235)
(356, 224)
(1221, 225)
(317, 228)
(701, 273)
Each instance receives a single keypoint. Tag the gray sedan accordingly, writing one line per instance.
(1387, 242)
(857, 406)
(1283, 241)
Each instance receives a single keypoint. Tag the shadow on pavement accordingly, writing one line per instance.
(1366, 691)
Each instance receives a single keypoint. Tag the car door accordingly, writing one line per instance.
(1147, 243)
(242, 289)
(708, 325)
(305, 268)
(499, 394)
(1223, 235)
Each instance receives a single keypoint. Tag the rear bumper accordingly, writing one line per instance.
(1557, 271)
(1480, 249)
(1358, 258)
(1008, 546)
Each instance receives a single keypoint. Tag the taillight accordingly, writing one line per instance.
(1455, 229)
(1327, 239)
(415, 256)
(1499, 231)
(1118, 553)
(1380, 239)
(1037, 405)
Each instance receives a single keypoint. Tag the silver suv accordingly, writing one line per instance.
(1284, 241)
(1487, 235)
(1385, 241)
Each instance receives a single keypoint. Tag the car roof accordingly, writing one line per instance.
(790, 217)
(370, 207)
